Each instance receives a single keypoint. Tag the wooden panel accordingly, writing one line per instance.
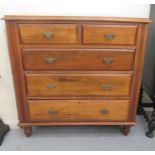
(76, 18)
(110, 34)
(40, 123)
(78, 59)
(78, 85)
(48, 33)
(139, 61)
(78, 110)
(16, 66)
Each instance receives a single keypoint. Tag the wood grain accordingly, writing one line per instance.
(138, 69)
(113, 123)
(76, 18)
(15, 58)
(121, 60)
(78, 74)
(78, 85)
(96, 34)
(34, 33)
(78, 110)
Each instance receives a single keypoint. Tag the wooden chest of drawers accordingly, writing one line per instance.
(76, 70)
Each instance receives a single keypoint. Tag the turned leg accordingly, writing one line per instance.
(151, 125)
(28, 131)
(126, 129)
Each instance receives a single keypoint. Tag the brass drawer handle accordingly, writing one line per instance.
(104, 111)
(106, 86)
(109, 36)
(50, 60)
(53, 112)
(48, 35)
(108, 60)
(51, 86)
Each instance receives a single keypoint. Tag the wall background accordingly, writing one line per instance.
(149, 72)
(8, 111)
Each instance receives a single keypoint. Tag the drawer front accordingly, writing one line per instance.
(78, 85)
(78, 110)
(109, 34)
(48, 33)
(78, 59)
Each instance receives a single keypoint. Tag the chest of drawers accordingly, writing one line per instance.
(76, 70)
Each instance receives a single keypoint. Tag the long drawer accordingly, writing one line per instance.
(78, 110)
(58, 59)
(110, 34)
(48, 85)
(48, 33)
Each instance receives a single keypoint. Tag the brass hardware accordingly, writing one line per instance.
(104, 111)
(53, 112)
(48, 35)
(106, 86)
(108, 60)
(109, 36)
(51, 86)
(50, 60)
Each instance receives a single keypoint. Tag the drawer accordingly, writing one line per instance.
(48, 33)
(78, 110)
(48, 85)
(110, 34)
(120, 60)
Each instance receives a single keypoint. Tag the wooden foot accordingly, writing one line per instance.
(126, 130)
(28, 131)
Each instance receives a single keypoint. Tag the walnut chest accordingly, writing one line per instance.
(76, 70)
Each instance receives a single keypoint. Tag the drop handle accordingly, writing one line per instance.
(50, 60)
(53, 112)
(51, 86)
(109, 36)
(107, 60)
(104, 111)
(106, 87)
(48, 35)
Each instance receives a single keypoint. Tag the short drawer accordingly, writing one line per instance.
(48, 85)
(117, 60)
(110, 34)
(48, 33)
(78, 110)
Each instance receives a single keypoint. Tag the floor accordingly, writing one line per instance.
(82, 138)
